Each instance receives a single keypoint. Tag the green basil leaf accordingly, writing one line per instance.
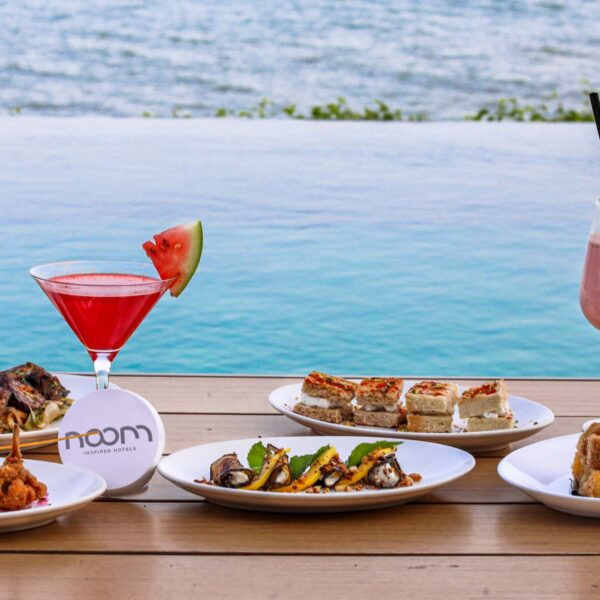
(256, 456)
(365, 448)
(299, 464)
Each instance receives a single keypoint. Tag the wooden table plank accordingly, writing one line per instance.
(258, 577)
(248, 395)
(183, 431)
(476, 537)
(413, 529)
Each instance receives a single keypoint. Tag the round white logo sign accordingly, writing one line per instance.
(125, 440)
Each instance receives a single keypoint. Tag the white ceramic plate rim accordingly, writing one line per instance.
(8, 515)
(333, 497)
(542, 422)
(502, 471)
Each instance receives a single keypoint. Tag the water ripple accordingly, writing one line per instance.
(447, 59)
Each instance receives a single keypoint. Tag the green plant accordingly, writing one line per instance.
(339, 110)
(264, 109)
(511, 109)
(505, 109)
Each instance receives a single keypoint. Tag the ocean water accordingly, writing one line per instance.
(426, 249)
(75, 57)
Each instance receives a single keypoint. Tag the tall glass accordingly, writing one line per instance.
(589, 293)
(103, 302)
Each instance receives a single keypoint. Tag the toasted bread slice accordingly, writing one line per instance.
(329, 415)
(329, 387)
(379, 391)
(490, 424)
(491, 397)
(431, 398)
(429, 423)
(380, 418)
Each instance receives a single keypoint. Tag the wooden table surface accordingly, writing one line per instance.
(477, 537)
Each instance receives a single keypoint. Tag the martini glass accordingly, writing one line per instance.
(103, 302)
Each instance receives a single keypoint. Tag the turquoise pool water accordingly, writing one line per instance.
(438, 249)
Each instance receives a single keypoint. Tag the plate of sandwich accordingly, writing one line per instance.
(35, 400)
(314, 474)
(562, 472)
(483, 417)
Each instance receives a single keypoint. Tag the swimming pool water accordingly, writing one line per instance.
(426, 249)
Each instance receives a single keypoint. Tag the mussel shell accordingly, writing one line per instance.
(386, 473)
(228, 471)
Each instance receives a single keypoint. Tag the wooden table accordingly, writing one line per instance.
(475, 538)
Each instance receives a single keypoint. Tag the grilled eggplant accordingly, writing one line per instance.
(386, 473)
(333, 472)
(228, 471)
(360, 472)
(370, 465)
(281, 474)
(273, 457)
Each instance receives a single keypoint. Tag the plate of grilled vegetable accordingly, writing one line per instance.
(482, 417)
(314, 474)
(35, 400)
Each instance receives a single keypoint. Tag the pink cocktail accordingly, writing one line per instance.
(103, 302)
(90, 301)
(589, 293)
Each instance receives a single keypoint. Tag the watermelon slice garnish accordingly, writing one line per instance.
(176, 252)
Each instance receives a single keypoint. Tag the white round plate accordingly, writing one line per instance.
(436, 463)
(543, 471)
(530, 417)
(78, 386)
(69, 488)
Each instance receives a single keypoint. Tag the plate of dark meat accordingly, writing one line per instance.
(34, 493)
(35, 400)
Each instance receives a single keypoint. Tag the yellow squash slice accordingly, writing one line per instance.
(312, 475)
(265, 472)
(363, 469)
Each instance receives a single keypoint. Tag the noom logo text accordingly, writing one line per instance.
(109, 436)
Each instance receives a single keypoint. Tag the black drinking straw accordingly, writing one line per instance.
(596, 109)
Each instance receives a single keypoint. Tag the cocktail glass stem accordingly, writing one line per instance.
(102, 367)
